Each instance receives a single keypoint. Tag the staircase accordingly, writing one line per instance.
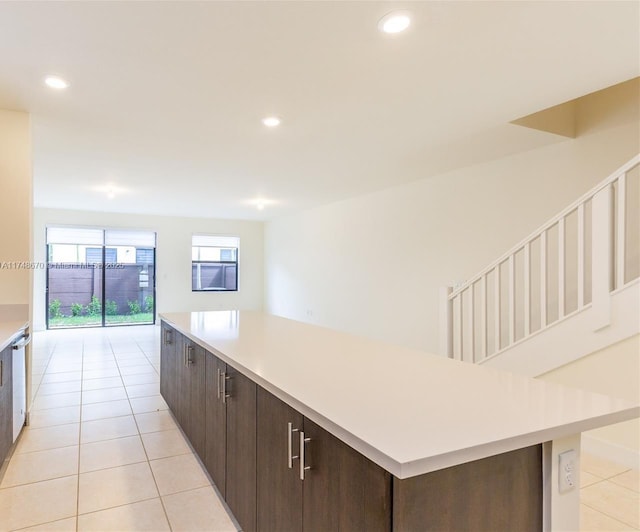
(570, 288)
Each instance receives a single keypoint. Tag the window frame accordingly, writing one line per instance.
(199, 262)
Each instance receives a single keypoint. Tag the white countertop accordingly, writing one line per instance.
(9, 330)
(408, 411)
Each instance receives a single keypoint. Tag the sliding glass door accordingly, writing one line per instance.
(99, 277)
(129, 278)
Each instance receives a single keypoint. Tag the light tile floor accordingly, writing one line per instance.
(103, 452)
(609, 495)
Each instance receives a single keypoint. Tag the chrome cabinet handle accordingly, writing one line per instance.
(225, 378)
(218, 379)
(290, 457)
(22, 343)
(188, 359)
(303, 442)
(167, 337)
(1, 373)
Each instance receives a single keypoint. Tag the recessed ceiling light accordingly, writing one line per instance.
(55, 82)
(271, 121)
(111, 190)
(260, 203)
(394, 22)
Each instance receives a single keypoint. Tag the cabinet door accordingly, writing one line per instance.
(168, 378)
(241, 448)
(6, 403)
(183, 396)
(500, 492)
(343, 490)
(195, 370)
(279, 486)
(215, 454)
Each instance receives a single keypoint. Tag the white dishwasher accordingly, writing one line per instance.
(19, 382)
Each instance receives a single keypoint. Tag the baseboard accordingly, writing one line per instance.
(611, 451)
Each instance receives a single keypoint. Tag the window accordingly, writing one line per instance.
(94, 255)
(84, 292)
(214, 263)
(145, 256)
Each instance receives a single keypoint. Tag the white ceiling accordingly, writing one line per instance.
(166, 98)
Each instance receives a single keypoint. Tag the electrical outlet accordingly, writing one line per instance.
(567, 473)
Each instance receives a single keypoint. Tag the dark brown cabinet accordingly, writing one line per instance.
(343, 490)
(182, 397)
(6, 402)
(279, 485)
(241, 448)
(215, 455)
(281, 472)
(250, 443)
(501, 492)
(309, 480)
(168, 371)
(230, 438)
(182, 384)
(191, 393)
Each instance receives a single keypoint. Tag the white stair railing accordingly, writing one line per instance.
(573, 262)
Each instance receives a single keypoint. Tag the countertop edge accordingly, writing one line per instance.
(484, 450)
(6, 336)
(403, 470)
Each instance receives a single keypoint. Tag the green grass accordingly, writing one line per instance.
(143, 317)
(74, 321)
(85, 321)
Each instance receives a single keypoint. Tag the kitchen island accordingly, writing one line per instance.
(306, 428)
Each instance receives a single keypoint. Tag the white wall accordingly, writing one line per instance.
(614, 371)
(173, 257)
(373, 265)
(15, 205)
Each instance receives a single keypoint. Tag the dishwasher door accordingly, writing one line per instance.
(19, 382)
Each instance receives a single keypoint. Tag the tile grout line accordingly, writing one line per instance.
(144, 448)
(609, 480)
(164, 509)
(117, 506)
(81, 393)
(80, 438)
(610, 516)
(54, 407)
(608, 477)
(607, 515)
(161, 498)
(147, 357)
(34, 394)
(41, 481)
(41, 524)
(48, 448)
(615, 483)
(82, 385)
